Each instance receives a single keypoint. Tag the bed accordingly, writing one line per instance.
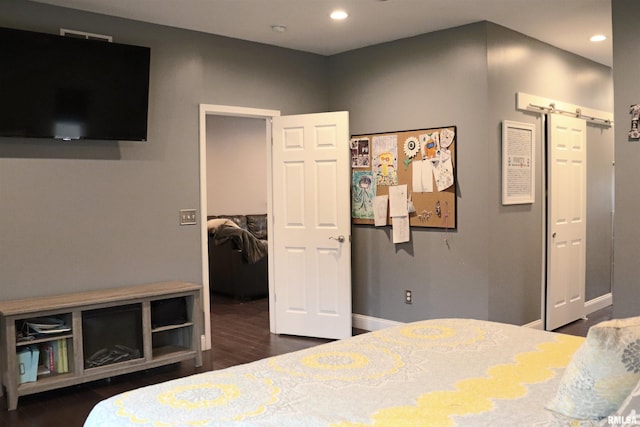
(443, 372)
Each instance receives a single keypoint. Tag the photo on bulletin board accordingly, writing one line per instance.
(420, 163)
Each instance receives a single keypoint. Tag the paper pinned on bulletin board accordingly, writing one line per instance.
(398, 201)
(380, 204)
(399, 212)
(401, 229)
(422, 176)
(385, 159)
(363, 191)
(424, 161)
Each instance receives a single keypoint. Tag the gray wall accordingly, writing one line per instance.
(518, 63)
(468, 76)
(626, 64)
(93, 215)
(432, 80)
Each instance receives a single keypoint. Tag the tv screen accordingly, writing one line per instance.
(67, 88)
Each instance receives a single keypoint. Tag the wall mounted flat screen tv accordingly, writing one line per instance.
(67, 88)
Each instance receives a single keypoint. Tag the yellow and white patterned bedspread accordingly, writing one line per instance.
(444, 372)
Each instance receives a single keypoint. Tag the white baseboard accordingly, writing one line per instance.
(598, 303)
(368, 323)
(536, 324)
(590, 306)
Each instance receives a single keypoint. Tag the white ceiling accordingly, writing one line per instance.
(567, 24)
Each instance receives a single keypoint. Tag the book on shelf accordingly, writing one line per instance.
(43, 370)
(46, 359)
(54, 357)
(57, 356)
(65, 356)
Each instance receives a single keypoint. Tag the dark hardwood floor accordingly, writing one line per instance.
(240, 332)
(581, 327)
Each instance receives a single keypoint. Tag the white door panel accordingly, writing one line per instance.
(567, 158)
(311, 184)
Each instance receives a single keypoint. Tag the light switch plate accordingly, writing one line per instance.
(188, 217)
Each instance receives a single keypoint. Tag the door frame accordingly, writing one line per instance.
(229, 111)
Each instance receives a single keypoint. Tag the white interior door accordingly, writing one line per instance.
(310, 249)
(566, 220)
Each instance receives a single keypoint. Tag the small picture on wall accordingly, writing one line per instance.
(518, 162)
(363, 190)
(360, 153)
(385, 159)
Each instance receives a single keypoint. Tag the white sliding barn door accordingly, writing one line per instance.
(566, 220)
(311, 225)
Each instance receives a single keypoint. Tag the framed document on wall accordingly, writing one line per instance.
(518, 162)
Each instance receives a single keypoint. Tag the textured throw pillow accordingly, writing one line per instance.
(629, 412)
(257, 225)
(602, 372)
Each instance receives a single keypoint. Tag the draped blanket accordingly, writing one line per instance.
(252, 248)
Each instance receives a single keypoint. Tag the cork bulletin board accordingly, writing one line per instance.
(424, 160)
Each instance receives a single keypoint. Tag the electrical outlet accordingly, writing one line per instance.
(407, 297)
(188, 217)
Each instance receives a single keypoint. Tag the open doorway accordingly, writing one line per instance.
(236, 169)
(224, 116)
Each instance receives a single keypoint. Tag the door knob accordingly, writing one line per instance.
(340, 238)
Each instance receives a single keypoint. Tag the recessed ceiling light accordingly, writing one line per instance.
(598, 38)
(339, 15)
(279, 28)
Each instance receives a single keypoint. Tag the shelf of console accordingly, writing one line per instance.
(72, 306)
